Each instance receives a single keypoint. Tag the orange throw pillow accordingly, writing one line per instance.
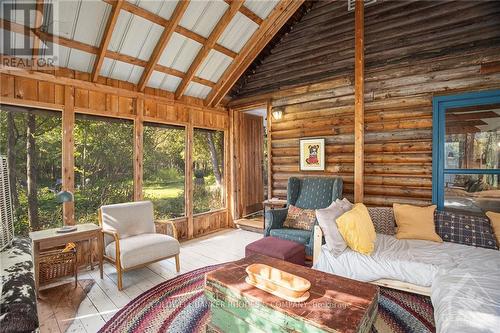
(415, 222)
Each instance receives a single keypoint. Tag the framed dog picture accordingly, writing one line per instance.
(312, 154)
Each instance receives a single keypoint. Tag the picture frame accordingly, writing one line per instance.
(312, 154)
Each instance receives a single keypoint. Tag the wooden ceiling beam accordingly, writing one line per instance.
(180, 74)
(136, 10)
(106, 38)
(165, 37)
(209, 44)
(46, 37)
(248, 13)
(269, 27)
(38, 24)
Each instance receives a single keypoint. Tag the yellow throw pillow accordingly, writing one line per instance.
(415, 222)
(357, 228)
(495, 224)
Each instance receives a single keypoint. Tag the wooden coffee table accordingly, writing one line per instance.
(336, 304)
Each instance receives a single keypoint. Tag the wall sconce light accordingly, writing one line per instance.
(277, 114)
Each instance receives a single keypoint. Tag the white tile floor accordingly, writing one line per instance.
(104, 299)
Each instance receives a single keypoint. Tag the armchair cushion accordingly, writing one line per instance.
(129, 219)
(144, 248)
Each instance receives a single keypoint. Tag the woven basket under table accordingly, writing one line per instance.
(55, 264)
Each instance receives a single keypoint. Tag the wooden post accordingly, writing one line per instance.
(68, 149)
(138, 148)
(359, 107)
(269, 152)
(231, 171)
(227, 181)
(236, 164)
(188, 193)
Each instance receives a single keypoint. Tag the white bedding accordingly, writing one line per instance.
(465, 281)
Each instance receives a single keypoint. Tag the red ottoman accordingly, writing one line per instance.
(278, 248)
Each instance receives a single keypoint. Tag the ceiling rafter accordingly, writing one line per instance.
(168, 31)
(271, 25)
(46, 37)
(146, 14)
(248, 13)
(209, 44)
(106, 38)
(38, 24)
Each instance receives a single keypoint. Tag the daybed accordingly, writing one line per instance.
(463, 281)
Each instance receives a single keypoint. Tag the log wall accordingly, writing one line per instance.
(414, 50)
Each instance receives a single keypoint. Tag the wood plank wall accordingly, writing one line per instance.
(414, 50)
(17, 88)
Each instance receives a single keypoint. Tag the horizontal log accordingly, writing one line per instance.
(372, 200)
(408, 159)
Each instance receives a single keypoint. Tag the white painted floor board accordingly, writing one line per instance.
(104, 299)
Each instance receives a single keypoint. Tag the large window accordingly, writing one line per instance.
(103, 164)
(467, 151)
(164, 169)
(32, 141)
(208, 170)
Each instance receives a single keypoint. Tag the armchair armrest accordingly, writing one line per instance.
(114, 234)
(162, 227)
(116, 238)
(274, 219)
(318, 241)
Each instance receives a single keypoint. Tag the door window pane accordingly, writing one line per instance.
(472, 192)
(164, 169)
(103, 164)
(473, 137)
(208, 170)
(33, 142)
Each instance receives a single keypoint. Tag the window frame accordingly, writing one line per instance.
(185, 128)
(225, 154)
(439, 106)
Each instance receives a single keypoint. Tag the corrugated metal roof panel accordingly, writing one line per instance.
(214, 66)
(70, 58)
(16, 42)
(83, 21)
(238, 32)
(134, 36)
(80, 61)
(202, 15)
(261, 8)
(121, 71)
(163, 8)
(197, 90)
(179, 52)
(17, 12)
(164, 81)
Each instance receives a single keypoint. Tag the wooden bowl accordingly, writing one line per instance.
(278, 282)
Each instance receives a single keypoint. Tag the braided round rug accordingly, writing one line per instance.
(179, 306)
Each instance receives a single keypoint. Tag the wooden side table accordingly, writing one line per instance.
(50, 238)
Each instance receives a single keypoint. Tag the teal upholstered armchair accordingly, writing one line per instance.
(308, 193)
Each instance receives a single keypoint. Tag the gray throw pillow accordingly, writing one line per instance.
(327, 221)
(345, 204)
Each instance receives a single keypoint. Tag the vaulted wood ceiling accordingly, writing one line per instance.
(194, 48)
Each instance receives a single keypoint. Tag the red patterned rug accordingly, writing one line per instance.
(179, 305)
